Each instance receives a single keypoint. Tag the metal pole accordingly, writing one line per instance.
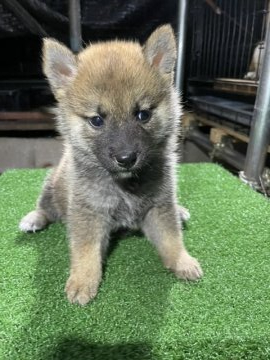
(181, 30)
(260, 129)
(75, 25)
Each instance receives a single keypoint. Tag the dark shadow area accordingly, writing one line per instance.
(246, 349)
(71, 349)
(119, 235)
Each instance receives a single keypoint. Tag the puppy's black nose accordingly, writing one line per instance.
(126, 160)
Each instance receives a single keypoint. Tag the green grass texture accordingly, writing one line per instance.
(142, 311)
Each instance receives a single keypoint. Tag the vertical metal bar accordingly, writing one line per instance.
(236, 72)
(225, 69)
(199, 20)
(217, 45)
(194, 41)
(209, 42)
(222, 60)
(260, 130)
(75, 25)
(213, 45)
(232, 50)
(267, 16)
(206, 37)
(222, 37)
(243, 55)
(182, 29)
(252, 34)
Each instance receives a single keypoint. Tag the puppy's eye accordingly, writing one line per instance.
(143, 116)
(96, 121)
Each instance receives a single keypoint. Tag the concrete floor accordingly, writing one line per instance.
(29, 152)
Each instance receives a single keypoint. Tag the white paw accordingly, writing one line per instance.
(188, 268)
(184, 213)
(33, 221)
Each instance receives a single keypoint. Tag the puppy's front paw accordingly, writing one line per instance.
(81, 290)
(188, 268)
(184, 213)
(33, 221)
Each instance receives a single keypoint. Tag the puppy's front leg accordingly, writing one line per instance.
(88, 237)
(162, 227)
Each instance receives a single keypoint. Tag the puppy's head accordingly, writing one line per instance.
(117, 105)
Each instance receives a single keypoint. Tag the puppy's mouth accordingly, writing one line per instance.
(123, 174)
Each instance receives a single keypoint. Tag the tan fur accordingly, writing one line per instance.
(162, 227)
(91, 190)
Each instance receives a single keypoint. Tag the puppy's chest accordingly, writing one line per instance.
(128, 212)
(122, 208)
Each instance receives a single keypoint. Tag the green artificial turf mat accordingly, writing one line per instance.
(142, 311)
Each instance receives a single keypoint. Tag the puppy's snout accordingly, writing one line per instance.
(126, 160)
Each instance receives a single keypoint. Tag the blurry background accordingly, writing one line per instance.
(27, 135)
(224, 50)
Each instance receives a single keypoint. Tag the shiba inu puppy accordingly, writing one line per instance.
(118, 113)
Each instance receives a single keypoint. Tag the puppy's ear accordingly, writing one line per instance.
(160, 49)
(59, 65)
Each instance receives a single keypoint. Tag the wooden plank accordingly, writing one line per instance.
(20, 126)
(25, 115)
(26, 121)
(229, 131)
(216, 135)
(239, 86)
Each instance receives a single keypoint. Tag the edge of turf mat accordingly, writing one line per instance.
(142, 311)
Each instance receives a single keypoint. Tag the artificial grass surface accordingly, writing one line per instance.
(142, 311)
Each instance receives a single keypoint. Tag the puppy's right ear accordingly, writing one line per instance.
(160, 50)
(59, 65)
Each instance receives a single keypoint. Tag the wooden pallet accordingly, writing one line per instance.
(217, 130)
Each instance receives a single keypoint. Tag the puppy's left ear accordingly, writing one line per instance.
(160, 50)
